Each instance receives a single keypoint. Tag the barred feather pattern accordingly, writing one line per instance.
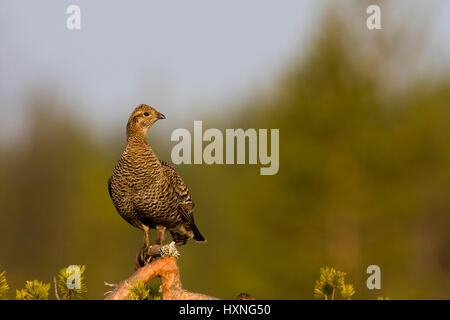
(149, 192)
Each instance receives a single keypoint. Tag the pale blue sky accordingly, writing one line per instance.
(182, 55)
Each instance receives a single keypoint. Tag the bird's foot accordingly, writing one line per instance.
(142, 258)
(147, 254)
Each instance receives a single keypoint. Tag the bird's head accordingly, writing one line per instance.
(142, 118)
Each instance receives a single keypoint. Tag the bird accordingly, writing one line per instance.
(149, 193)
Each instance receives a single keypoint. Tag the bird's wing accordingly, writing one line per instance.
(185, 203)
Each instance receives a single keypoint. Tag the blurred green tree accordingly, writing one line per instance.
(364, 178)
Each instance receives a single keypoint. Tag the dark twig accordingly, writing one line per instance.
(56, 289)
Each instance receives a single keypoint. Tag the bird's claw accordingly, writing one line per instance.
(141, 258)
(146, 255)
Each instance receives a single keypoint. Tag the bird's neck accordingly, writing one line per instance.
(139, 150)
(137, 141)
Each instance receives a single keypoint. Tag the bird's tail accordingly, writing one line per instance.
(197, 235)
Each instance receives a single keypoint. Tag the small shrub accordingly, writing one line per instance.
(34, 290)
(4, 287)
(63, 288)
(329, 282)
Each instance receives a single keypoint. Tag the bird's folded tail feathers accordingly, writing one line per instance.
(197, 235)
(181, 238)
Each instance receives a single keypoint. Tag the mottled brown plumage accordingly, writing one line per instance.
(149, 193)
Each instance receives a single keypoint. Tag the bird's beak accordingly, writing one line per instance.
(161, 116)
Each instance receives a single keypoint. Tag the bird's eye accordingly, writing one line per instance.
(146, 114)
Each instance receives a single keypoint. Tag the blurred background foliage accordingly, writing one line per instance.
(364, 179)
